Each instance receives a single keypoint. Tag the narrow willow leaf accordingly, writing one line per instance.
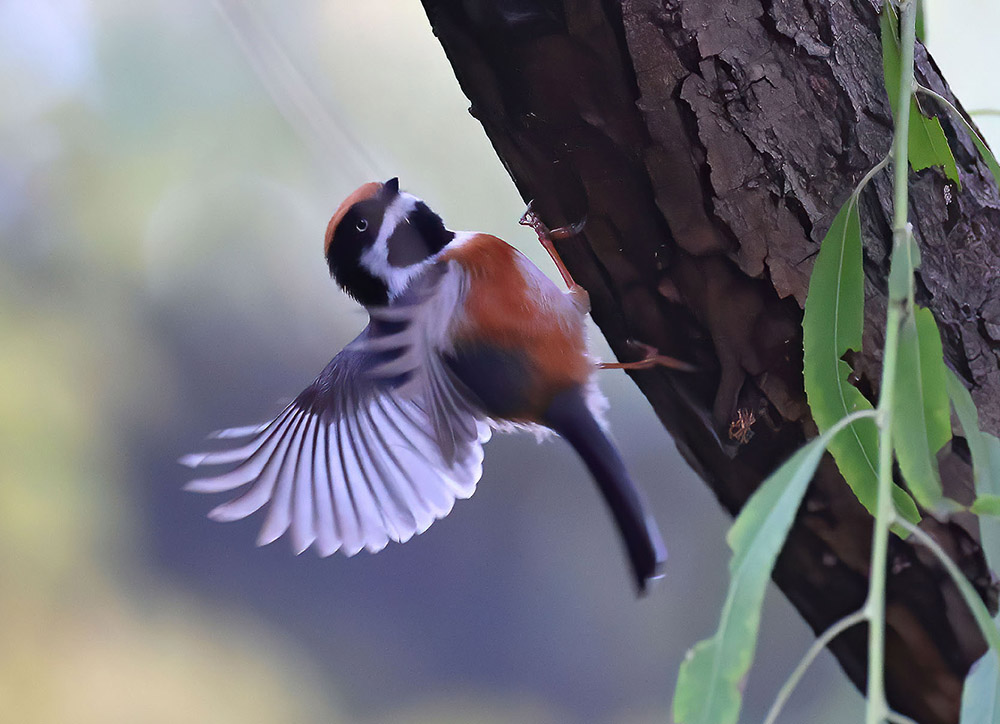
(927, 144)
(990, 681)
(984, 150)
(988, 504)
(920, 387)
(986, 624)
(892, 59)
(709, 681)
(981, 693)
(934, 381)
(992, 445)
(985, 448)
(988, 157)
(833, 324)
(921, 22)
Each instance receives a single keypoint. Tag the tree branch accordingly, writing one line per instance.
(709, 146)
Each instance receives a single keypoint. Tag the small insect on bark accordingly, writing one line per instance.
(739, 429)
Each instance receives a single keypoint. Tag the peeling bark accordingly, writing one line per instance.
(709, 144)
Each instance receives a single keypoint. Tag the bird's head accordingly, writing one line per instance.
(379, 239)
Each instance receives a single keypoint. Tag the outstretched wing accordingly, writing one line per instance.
(379, 446)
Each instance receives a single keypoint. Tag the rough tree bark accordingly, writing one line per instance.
(709, 144)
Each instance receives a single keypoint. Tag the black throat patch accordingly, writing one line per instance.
(420, 235)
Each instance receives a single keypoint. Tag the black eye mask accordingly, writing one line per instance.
(355, 235)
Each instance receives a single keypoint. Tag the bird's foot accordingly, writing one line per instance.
(651, 358)
(546, 237)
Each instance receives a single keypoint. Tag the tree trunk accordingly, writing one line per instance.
(709, 144)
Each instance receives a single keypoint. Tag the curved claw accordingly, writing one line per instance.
(546, 238)
(530, 218)
(565, 232)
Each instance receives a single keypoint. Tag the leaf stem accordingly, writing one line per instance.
(900, 148)
(856, 194)
(818, 645)
(837, 627)
(972, 599)
(874, 607)
(877, 710)
(924, 90)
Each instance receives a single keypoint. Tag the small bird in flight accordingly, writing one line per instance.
(465, 336)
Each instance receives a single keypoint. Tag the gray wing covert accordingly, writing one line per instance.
(379, 446)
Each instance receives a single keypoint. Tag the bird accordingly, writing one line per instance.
(465, 336)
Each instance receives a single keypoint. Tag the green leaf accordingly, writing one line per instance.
(920, 413)
(709, 681)
(927, 145)
(988, 504)
(984, 150)
(921, 22)
(988, 681)
(833, 324)
(985, 448)
(934, 381)
(891, 54)
(981, 693)
(987, 154)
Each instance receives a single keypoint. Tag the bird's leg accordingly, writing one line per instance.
(651, 358)
(546, 237)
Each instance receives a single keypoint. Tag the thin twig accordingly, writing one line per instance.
(986, 625)
(951, 107)
(817, 646)
(869, 176)
(877, 709)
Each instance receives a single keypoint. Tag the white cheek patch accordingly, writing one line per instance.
(376, 258)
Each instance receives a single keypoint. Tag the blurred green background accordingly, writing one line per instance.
(166, 173)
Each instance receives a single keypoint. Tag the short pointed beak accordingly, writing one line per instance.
(392, 186)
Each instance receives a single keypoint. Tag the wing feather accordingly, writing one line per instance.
(262, 486)
(370, 524)
(377, 448)
(343, 504)
(397, 520)
(392, 470)
(303, 530)
(377, 525)
(327, 536)
(238, 432)
(279, 513)
(419, 458)
(250, 466)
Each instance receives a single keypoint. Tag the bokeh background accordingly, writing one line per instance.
(166, 173)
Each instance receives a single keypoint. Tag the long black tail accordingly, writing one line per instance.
(569, 416)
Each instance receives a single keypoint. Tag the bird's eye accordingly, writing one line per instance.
(362, 224)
